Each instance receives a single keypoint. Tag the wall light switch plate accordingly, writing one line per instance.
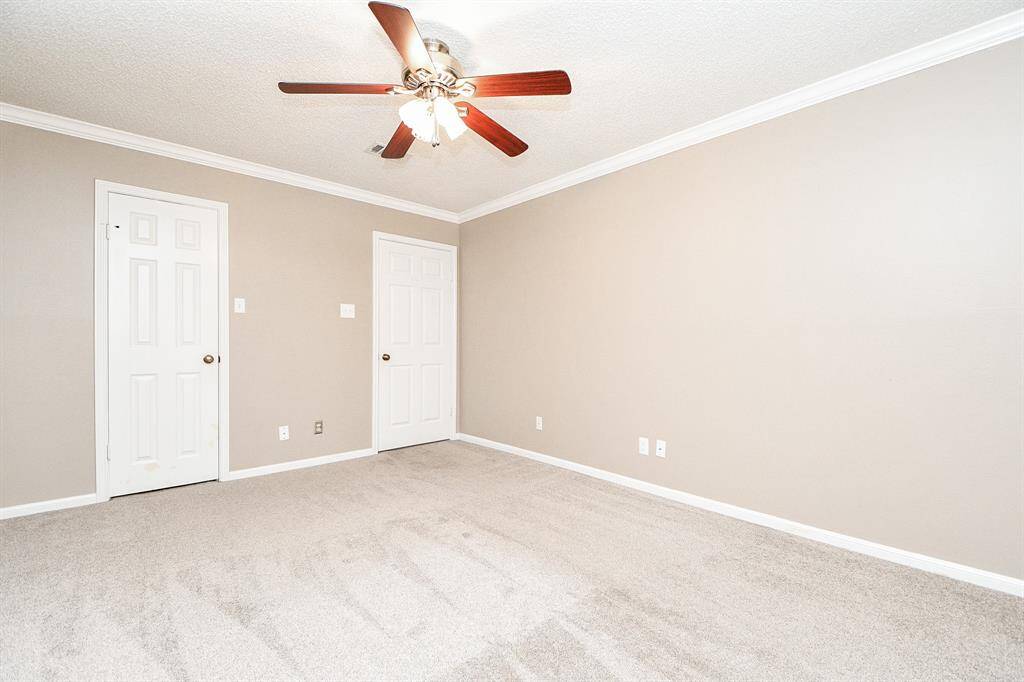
(644, 446)
(282, 432)
(239, 305)
(659, 448)
(540, 423)
(348, 309)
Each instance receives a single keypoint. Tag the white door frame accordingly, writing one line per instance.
(103, 188)
(378, 237)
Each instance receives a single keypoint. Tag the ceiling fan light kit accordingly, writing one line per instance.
(426, 117)
(435, 79)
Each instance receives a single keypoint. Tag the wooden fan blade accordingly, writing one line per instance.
(492, 131)
(399, 144)
(397, 22)
(530, 83)
(336, 88)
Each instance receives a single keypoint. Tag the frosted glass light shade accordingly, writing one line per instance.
(448, 116)
(419, 116)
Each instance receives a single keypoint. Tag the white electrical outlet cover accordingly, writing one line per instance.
(282, 433)
(347, 310)
(540, 423)
(239, 305)
(659, 448)
(644, 446)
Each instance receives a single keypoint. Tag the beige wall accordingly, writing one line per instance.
(821, 315)
(294, 255)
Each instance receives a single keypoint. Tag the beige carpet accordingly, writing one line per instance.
(451, 561)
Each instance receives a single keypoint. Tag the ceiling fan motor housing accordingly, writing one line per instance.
(447, 67)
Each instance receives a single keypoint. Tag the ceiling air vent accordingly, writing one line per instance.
(375, 149)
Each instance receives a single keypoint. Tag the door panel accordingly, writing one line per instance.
(432, 316)
(162, 311)
(144, 417)
(431, 393)
(189, 413)
(400, 329)
(142, 313)
(188, 306)
(415, 315)
(400, 386)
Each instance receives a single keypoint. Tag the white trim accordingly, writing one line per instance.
(119, 138)
(297, 464)
(976, 576)
(46, 505)
(223, 346)
(82, 500)
(100, 285)
(454, 250)
(980, 37)
(987, 34)
(100, 334)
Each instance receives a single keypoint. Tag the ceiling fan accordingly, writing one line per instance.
(435, 78)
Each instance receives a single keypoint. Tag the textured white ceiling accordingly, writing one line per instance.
(204, 74)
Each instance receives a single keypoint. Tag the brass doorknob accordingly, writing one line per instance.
(385, 357)
(208, 359)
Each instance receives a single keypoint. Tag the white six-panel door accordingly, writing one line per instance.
(163, 344)
(415, 344)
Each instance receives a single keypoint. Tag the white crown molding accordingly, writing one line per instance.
(119, 138)
(969, 574)
(988, 34)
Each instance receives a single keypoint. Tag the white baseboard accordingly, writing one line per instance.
(46, 505)
(297, 464)
(82, 500)
(976, 576)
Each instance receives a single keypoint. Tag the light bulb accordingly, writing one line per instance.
(448, 116)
